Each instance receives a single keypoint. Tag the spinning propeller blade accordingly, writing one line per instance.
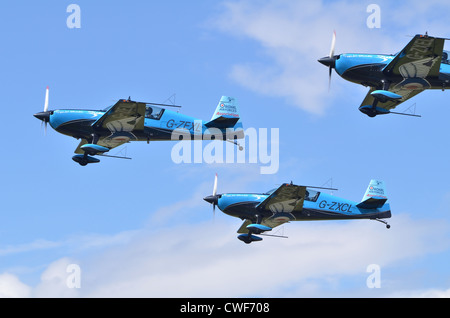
(331, 56)
(46, 100)
(215, 185)
(214, 195)
(330, 60)
(45, 110)
(329, 77)
(333, 44)
(214, 198)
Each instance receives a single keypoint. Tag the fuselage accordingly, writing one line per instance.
(316, 206)
(159, 124)
(367, 70)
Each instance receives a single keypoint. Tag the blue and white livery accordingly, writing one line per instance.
(393, 79)
(127, 120)
(262, 212)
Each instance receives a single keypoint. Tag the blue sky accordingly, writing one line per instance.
(139, 228)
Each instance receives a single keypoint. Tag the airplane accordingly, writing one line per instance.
(262, 212)
(394, 78)
(127, 120)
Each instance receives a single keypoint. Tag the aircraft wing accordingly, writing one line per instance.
(120, 121)
(419, 60)
(285, 200)
(110, 142)
(124, 116)
(421, 57)
(79, 150)
(272, 222)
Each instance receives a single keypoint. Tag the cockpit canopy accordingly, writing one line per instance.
(153, 112)
(311, 195)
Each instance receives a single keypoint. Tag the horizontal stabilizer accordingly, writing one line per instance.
(222, 122)
(372, 203)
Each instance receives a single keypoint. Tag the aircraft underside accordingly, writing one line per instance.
(247, 211)
(266, 221)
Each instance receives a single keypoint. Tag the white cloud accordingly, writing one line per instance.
(206, 260)
(293, 35)
(54, 281)
(12, 287)
(435, 293)
(39, 244)
(424, 293)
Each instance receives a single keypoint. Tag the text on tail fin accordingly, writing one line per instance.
(375, 196)
(226, 108)
(375, 189)
(226, 114)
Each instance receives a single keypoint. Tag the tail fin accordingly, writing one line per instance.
(226, 114)
(375, 196)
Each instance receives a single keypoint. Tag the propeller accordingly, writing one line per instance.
(331, 55)
(45, 110)
(215, 185)
(45, 115)
(330, 60)
(333, 44)
(214, 198)
(46, 100)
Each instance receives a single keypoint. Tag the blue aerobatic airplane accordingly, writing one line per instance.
(394, 78)
(262, 212)
(127, 120)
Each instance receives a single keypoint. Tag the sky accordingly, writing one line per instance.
(140, 228)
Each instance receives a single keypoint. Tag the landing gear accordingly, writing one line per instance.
(380, 95)
(90, 149)
(254, 228)
(373, 110)
(237, 144)
(248, 238)
(384, 222)
(83, 160)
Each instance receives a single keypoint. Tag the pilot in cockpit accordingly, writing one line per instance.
(445, 57)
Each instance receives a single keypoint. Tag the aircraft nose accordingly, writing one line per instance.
(328, 61)
(44, 116)
(211, 199)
